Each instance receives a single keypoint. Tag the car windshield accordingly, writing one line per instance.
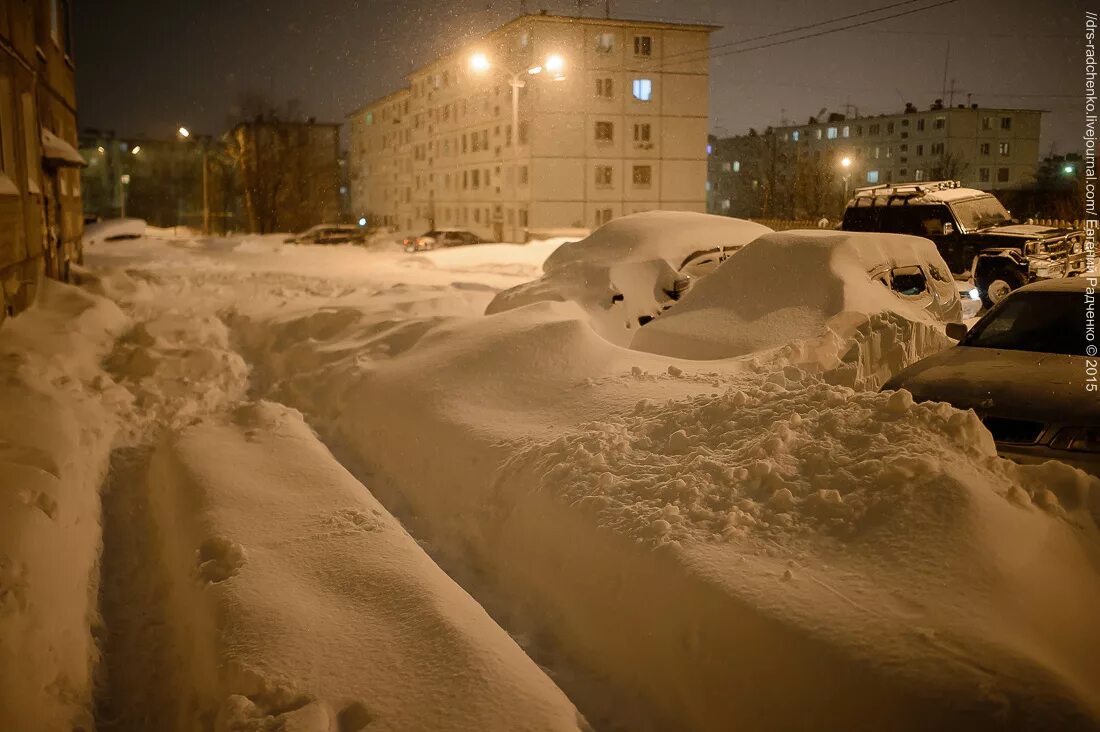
(1041, 322)
(980, 213)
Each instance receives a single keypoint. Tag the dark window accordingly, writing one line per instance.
(1038, 322)
(643, 46)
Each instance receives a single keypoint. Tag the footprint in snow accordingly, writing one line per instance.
(219, 559)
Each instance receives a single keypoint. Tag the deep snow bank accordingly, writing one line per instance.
(324, 615)
(808, 299)
(714, 555)
(56, 426)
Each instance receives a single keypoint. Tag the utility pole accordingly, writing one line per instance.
(205, 189)
(946, 63)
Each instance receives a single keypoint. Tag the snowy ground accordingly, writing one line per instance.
(327, 493)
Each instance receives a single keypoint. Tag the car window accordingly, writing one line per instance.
(908, 281)
(979, 213)
(1041, 322)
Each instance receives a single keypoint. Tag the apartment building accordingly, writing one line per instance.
(611, 118)
(984, 147)
(40, 212)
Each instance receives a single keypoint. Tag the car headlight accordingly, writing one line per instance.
(974, 294)
(1032, 248)
(1077, 439)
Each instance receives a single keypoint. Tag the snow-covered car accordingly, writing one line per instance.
(633, 268)
(440, 238)
(1024, 369)
(329, 234)
(973, 231)
(859, 306)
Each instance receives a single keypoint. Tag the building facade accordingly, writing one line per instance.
(40, 210)
(620, 128)
(798, 170)
(289, 173)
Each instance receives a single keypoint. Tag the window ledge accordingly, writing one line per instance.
(7, 186)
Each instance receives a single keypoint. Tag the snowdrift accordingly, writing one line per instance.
(634, 256)
(807, 299)
(709, 545)
(56, 426)
(325, 615)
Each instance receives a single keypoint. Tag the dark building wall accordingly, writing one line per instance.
(40, 202)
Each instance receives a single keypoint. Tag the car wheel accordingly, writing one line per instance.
(999, 283)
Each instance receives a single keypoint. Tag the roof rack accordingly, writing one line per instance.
(907, 190)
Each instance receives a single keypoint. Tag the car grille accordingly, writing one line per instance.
(1014, 431)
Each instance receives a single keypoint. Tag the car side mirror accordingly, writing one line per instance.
(957, 331)
(948, 229)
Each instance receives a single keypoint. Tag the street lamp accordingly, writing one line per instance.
(185, 134)
(554, 64)
(846, 166)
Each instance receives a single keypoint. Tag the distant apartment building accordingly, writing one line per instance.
(621, 127)
(798, 170)
(289, 173)
(40, 210)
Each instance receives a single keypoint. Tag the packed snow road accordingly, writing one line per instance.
(317, 489)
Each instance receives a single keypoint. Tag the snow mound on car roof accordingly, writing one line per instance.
(634, 256)
(810, 293)
(667, 235)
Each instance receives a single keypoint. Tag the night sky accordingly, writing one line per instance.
(145, 67)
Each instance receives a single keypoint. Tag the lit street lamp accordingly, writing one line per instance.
(185, 134)
(846, 166)
(554, 65)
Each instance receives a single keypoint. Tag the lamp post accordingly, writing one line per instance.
(185, 134)
(846, 166)
(554, 65)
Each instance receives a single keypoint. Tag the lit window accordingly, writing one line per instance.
(370, 118)
(817, 133)
(794, 135)
(710, 149)
(643, 89)
(831, 133)
(844, 132)
(872, 176)
(605, 43)
(736, 166)
(1003, 148)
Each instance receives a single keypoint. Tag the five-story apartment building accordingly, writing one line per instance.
(611, 119)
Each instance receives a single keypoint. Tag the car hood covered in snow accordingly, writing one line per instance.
(1019, 384)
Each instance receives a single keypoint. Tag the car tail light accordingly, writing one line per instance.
(1077, 439)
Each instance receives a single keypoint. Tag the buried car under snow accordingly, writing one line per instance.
(631, 269)
(1024, 369)
(855, 307)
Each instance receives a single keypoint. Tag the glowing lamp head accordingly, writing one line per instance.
(363, 221)
(555, 64)
(479, 63)
(845, 162)
(1068, 170)
(135, 150)
(184, 132)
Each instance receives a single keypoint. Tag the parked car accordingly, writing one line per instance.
(1025, 369)
(439, 238)
(973, 231)
(330, 234)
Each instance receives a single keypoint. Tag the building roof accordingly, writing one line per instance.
(541, 17)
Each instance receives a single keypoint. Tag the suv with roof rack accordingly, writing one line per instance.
(975, 234)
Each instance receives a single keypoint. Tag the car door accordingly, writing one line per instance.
(956, 248)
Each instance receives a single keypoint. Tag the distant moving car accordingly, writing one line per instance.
(975, 234)
(439, 238)
(330, 234)
(1023, 369)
